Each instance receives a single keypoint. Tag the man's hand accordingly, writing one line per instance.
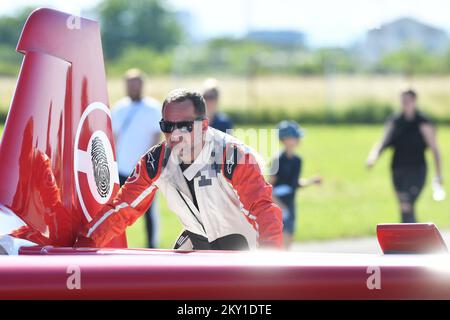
(371, 160)
(317, 180)
(269, 246)
(303, 183)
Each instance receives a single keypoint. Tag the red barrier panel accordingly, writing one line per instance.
(217, 275)
(410, 238)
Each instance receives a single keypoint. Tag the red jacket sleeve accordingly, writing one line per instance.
(256, 196)
(131, 202)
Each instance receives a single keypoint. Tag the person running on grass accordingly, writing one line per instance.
(285, 178)
(409, 133)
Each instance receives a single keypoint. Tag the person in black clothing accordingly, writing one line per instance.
(409, 133)
(285, 178)
(217, 120)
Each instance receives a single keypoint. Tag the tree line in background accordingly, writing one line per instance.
(148, 35)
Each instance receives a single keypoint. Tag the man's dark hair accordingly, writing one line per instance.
(410, 93)
(180, 95)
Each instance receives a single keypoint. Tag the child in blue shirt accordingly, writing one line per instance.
(286, 173)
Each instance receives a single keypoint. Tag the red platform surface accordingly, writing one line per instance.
(153, 274)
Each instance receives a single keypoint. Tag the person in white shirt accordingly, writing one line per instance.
(135, 121)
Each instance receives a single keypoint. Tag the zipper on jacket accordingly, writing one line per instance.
(196, 218)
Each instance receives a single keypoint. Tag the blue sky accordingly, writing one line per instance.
(325, 22)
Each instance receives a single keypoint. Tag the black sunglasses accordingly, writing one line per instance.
(183, 126)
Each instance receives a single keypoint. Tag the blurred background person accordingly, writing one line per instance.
(135, 121)
(409, 133)
(217, 120)
(285, 178)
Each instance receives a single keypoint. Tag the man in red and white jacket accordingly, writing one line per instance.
(211, 180)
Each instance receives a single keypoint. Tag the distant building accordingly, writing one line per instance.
(394, 35)
(279, 38)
